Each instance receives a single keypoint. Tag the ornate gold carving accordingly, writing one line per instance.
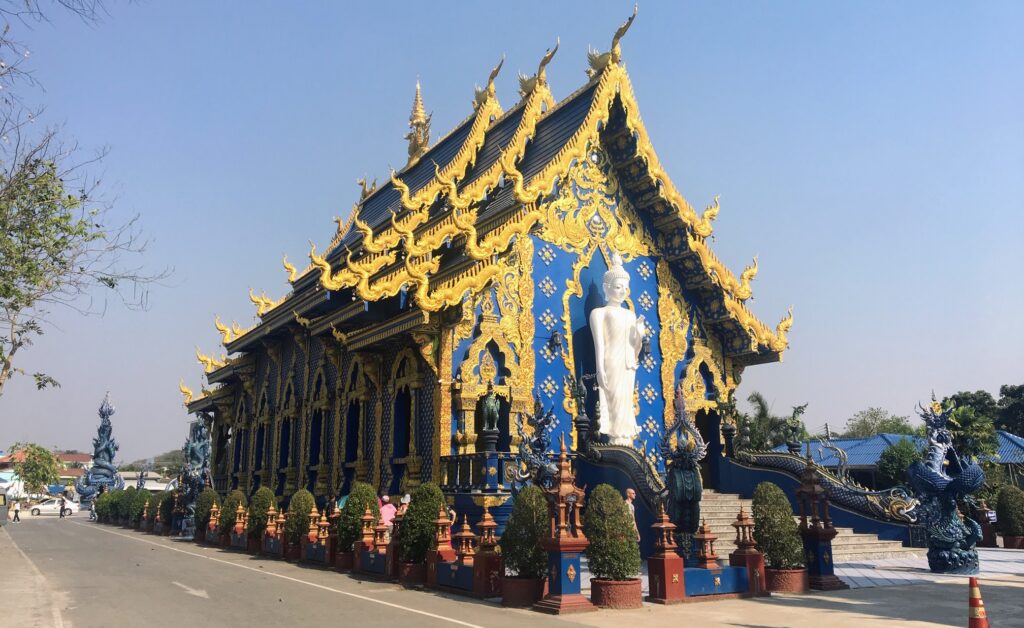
(186, 392)
(694, 388)
(597, 61)
(674, 321)
(427, 345)
(224, 330)
(209, 363)
(339, 335)
(419, 129)
(292, 271)
(527, 84)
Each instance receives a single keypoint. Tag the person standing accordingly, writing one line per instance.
(387, 513)
(17, 511)
(630, 499)
(60, 503)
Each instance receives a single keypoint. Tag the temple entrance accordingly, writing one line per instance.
(401, 437)
(708, 424)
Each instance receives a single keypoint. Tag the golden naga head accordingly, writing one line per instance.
(185, 391)
(293, 272)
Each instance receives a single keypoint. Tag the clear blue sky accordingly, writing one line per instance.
(871, 153)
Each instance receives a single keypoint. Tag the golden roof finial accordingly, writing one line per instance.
(223, 329)
(598, 62)
(481, 95)
(293, 272)
(185, 391)
(529, 83)
(419, 125)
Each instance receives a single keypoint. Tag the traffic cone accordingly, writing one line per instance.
(976, 617)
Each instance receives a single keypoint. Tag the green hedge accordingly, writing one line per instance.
(299, 506)
(230, 508)
(261, 501)
(204, 504)
(117, 505)
(138, 503)
(418, 524)
(1010, 511)
(167, 509)
(350, 520)
(154, 505)
(613, 553)
(775, 530)
(103, 506)
(528, 524)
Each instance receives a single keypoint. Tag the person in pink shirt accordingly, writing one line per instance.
(387, 512)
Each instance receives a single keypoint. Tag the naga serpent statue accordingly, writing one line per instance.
(195, 474)
(682, 475)
(940, 480)
(103, 472)
(533, 453)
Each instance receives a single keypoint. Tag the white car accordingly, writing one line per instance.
(52, 507)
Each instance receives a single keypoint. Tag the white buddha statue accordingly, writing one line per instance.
(618, 336)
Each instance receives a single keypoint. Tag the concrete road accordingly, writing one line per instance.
(72, 573)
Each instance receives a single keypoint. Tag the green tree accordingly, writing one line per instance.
(418, 524)
(350, 519)
(36, 465)
(297, 524)
(981, 401)
(261, 501)
(527, 526)
(204, 505)
(1010, 409)
(613, 553)
(58, 245)
(230, 510)
(876, 421)
(764, 429)
(974, 434)
(894, 460)
(775, 530)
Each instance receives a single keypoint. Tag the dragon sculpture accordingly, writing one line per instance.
(534, 464)
(195, 473)
(842, 458)
(682, 473)
(103, 472)
(941, 480)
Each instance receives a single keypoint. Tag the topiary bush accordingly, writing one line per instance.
(297, 525)
(418, 524)
(262, 500)
(154, 505)
(1010, 511)
(894, 461)
(613, 553)
(775, 530)
(124, 503)
(167, 509)
(204, 504)
(139, 499)
(350, 520)
(528, 524)
(227, 513)
(116, 499)
(103, 503)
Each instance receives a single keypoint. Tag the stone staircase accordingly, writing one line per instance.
(720, 510)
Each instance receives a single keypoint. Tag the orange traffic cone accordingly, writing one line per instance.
(976, 617)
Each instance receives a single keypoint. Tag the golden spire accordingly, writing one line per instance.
(419, 125)
(186, 392)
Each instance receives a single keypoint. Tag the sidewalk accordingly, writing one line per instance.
(32, 602)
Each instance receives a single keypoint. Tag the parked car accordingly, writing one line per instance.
(52, 507)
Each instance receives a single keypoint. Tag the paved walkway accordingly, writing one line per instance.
(901, 571)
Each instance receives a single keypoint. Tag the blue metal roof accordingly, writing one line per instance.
(1011, 448)
(865, 452)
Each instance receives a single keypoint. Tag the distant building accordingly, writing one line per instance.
(73, 466)
(863, 454)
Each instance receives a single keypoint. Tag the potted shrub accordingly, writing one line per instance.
(257, 525)
(167, 512)
(1010, 516)
(297, 525)
(350, 521)
(778, 538)
(613, 553)
(227, 515)
(204, 504)
(524, 559)
(418, 533)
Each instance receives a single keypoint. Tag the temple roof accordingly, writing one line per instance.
(432, 229)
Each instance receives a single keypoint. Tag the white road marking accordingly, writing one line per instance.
(58, 619)
(282, 576)
(196, 592)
